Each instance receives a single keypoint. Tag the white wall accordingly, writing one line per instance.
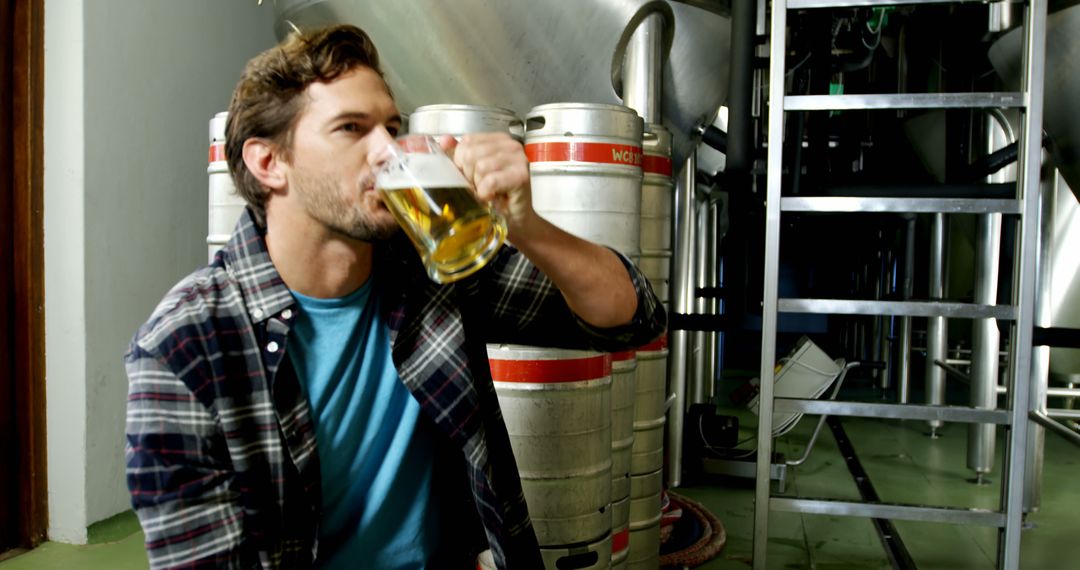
(130, 86)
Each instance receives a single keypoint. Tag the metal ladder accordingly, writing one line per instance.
(1009, 519)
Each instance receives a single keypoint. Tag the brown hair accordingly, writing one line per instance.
(267, 101)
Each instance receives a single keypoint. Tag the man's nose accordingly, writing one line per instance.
(381, 143)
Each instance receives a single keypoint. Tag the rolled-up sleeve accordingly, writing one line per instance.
(527, 308)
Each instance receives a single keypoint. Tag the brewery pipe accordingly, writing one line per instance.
(985, 342)
(704, 357)
(682, 289)
(642, 69)
(903, 375)
(740, 152)
(985, 337)
(696, 380)
(936, 331)
(714, 137)
(1040, 355)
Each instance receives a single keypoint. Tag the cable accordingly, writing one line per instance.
(724, 453)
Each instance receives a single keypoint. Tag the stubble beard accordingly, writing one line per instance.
(356, 217)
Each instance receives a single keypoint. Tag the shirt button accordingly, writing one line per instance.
(286, 314)
(272, 347)
(257, 313)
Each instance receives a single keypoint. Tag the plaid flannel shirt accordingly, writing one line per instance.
(221, 460)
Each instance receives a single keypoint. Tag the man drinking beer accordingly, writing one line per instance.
(311, 398)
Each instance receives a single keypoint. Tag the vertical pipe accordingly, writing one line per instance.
(985, 344)
(903, 376)
(695, 388)
(985, 337)
(770, 301)
(877, 322)
(642, 69)
(888, 324)
(1000, 17)
(936, 331)
(1040, 355)
(712, 304)
(740, 155)
(682, 284)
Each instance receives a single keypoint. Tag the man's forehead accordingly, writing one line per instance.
(356, 92)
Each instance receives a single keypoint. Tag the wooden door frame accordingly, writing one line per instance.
(21, 185)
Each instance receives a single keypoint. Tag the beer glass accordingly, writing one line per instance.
(433, 202)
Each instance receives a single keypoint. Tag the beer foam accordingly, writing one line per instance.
(425, 170)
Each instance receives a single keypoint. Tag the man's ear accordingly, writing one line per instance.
(265, 161)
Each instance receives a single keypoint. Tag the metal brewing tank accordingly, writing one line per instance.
(519, 54)
(1062, 125)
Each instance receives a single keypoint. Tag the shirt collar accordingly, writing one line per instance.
(265, 292)
(248, 261)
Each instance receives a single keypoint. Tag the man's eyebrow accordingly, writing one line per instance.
(359, 116)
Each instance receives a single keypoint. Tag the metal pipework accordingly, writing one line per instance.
(695, 383)
(1040, 355)
(888, 323)
(702, 383)
(1050, 392)
(936, 332)
(907, 287)
(643, 68)
(985, 336)
(986, 340)
(682, 297)
(740, 156)
(877, 284)
(1000, 17)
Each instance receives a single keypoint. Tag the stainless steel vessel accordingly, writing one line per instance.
(557, 407)
(458, 120)
(657, 196)
(1062, 85)
(225, 205)
(645, 518)
(650, 413)
(586, 165)
(518, 54)
(623, 380)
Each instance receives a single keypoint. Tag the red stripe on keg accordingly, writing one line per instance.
(656, 164)
(601, 153)
(551, 371)
(658, 344)
(217, 152)
(620, 541)
(621, 356)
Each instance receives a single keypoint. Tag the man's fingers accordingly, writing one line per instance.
(496, 184)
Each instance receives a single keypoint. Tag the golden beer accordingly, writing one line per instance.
(432, 201)
(455, 235)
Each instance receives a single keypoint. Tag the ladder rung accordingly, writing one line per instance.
(958, 414)
(891, 511)
(804, 4)
(898, 308)
(902, 101)
(901, 205)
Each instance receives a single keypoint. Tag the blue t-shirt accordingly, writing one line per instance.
(376, 464)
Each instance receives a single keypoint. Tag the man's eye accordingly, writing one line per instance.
(393, 131)
(350, 128)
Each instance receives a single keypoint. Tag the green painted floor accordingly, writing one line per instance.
(904, 465)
